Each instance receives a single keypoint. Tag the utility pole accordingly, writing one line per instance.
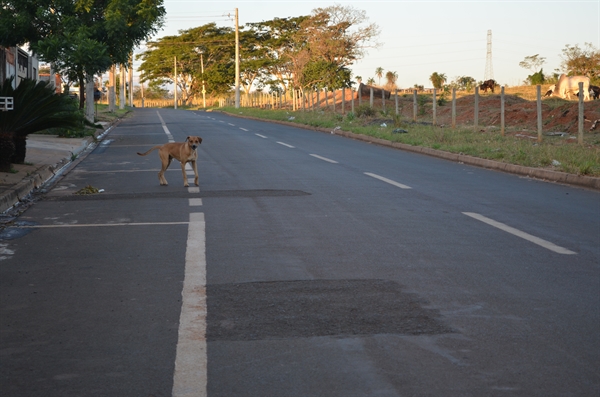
(175, 81)
(130, 79)
(237, 62)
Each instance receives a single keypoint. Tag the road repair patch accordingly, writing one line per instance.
(300, 309)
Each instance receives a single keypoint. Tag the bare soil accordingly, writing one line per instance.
(520, 115)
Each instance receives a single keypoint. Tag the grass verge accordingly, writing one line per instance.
(554, 152)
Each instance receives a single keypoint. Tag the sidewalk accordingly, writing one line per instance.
(46, 154)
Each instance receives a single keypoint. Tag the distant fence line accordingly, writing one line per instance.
(312, 100)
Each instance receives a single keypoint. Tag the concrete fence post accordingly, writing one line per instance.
(580, 115)
(453, 107)
(538, 90)
(434, 110)
(502, 111)
(415, 105)
(476, 115)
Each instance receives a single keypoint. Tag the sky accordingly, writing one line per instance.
(419, 38)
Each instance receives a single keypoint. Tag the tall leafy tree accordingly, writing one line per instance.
(218, 54)
(80, 37)
(391, 78)
(581, 61)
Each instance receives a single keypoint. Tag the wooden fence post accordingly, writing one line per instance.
(343, 100)
(396, 99)
(333, 101)
(371, 98)
(383, 99)
(352, 97)
(326, 98)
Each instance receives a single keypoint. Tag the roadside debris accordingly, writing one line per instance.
(89, 189)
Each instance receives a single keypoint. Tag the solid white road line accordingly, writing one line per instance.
(324, 159)
(190, 377)
(262, 136)
(401, 186)
(519, 233)
(285, 144)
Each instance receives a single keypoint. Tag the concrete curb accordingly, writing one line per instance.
(537, 173)
(37, 179)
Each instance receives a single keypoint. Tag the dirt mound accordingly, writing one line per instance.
(519, 113)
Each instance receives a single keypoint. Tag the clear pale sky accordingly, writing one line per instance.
(422, 37)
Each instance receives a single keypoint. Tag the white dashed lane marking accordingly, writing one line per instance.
(285, 144)
(324, 158)
(262, 136)
(243, 129)
(386, 180)
(519, 233)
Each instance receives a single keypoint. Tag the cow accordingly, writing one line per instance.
(550, 90)
(488, 84)
(567, 85)
(594, 91)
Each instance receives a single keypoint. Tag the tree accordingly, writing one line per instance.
(36, 107)
(370, 81)
(438, 80)
(536, 78)
(379, 73)
(218, 54)
(463, 83)
(581, 62)
(303, 50)
(391, 78)
(81, 37)
(359, 79)
(533, 62)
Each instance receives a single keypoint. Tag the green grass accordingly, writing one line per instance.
(558, 153)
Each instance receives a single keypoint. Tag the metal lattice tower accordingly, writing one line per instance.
(489, 69)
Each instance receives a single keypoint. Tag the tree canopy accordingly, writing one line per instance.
(311, 51)
(80, 37)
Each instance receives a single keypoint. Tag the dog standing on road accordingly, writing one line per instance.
(183, 152)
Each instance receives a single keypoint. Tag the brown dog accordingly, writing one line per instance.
(183, 152)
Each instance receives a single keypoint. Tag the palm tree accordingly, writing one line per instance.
(379, 73)
(370, 81)
(359, 80)
(391, 78)
(36, 107)
(438, 80)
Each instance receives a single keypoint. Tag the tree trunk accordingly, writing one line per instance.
(7, 148)
(20, 143)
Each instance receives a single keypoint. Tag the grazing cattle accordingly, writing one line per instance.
(550, 90)
(594, 91)
(488, 84)
(567, 85)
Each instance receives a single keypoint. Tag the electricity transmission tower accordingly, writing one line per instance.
(489, 70)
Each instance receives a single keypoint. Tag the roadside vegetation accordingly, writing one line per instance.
(554, 152)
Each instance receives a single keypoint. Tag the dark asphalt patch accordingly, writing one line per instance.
(300, 309)
(180, 194)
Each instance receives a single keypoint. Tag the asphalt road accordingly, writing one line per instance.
(305, 264)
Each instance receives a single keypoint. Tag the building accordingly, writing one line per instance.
(17, 62)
